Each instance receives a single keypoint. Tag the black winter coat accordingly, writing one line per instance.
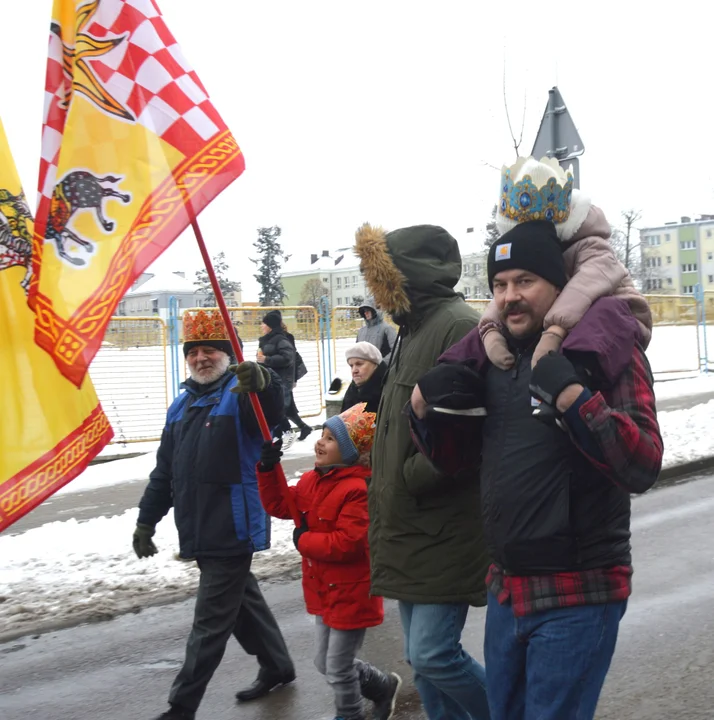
(370, 392)
(546, 508)
(279, 356)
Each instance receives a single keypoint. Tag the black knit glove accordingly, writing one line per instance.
(252, 377)
(454, 387)
(552, 374)
(270, 455)
(298, 532)
(143, 544)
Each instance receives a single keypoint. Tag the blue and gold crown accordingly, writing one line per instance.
(535, 190)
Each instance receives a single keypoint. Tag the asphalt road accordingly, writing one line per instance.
(663, 667)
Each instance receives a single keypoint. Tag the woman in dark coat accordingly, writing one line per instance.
(276, 352)
(368, 371)
(300, 371)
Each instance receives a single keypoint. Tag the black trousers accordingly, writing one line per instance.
(229, 602)
(291, 413)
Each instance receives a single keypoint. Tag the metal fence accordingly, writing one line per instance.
(679, 309)
(303, 323)
(130, 376)
(134, 382)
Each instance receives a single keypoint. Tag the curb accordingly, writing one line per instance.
(101, 459)
(676, 472)
(669, 476)
(292, 573)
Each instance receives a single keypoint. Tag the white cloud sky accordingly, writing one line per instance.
(389, 110)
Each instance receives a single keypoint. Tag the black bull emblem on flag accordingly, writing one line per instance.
(79, 190)
(15, 234)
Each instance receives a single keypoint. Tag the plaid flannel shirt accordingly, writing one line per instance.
(622, 423)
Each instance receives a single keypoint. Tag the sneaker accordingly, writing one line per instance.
(288, 440)
(384, 707)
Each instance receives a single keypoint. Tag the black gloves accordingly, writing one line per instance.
(552, 374)
(143, 544)
(298, 532)
(270, 454)
(252, 377)
(453, 387)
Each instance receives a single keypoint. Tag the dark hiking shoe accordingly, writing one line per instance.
(263, 685)
(177, 713)
(385, 703)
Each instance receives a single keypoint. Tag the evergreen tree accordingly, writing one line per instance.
(492, 233)
(204, 284)
(268, 275)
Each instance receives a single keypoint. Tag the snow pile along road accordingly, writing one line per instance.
(70, 572)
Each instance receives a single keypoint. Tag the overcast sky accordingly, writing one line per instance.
(391, 111)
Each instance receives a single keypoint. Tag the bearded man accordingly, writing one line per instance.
(205, 470)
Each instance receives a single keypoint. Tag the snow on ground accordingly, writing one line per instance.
(114, 472)
(674, 348)
(687, 434)
(82, 571)
(123, 470)
(72, 572)
(687, 387)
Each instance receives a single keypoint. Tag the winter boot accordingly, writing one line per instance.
(177, 713)
(380, 688)
(305, 432)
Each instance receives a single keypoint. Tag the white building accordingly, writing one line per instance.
(338, 271)
(151, 292)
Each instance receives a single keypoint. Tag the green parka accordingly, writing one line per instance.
(426, 537)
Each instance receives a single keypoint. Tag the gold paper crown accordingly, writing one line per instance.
(203, 325)
(535, 190)
(360, 427)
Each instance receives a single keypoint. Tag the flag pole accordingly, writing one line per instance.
(233, 337)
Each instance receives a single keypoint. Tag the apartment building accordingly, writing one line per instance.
(679, 255)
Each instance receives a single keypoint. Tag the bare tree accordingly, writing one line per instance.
(630, 217)
(516, 143)
(312, 291)
(644, 268)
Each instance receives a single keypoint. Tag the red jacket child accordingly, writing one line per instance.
(335, 558)
(333, 501)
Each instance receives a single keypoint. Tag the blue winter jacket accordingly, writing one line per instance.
(205, 469)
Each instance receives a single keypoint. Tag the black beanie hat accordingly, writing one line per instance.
(224, 345)
(532, 246)
(273, 319)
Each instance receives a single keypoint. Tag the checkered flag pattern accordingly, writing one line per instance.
(146, 73)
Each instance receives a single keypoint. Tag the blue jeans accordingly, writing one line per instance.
(452, 685)
(550, 665)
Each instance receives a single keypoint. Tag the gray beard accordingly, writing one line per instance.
(218, 371)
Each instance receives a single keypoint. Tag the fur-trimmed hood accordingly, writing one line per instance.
(407, 269)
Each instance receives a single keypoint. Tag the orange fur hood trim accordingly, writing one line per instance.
(385, 281)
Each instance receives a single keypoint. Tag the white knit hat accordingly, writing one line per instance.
(364, 351)
(540, 190)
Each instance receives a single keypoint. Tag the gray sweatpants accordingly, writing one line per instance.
(349, 678)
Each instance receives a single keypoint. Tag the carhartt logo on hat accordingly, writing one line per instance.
(503, 252)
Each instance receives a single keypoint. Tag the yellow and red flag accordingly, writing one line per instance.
(131, 148)
(50, 429)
